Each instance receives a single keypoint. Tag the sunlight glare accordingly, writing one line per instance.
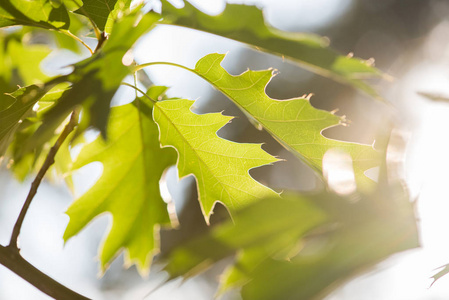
(338, 171)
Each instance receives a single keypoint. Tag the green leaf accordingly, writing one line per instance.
(444, 271)
(103, 12)
(26, 163)
(39, 13)
(19, 64)
(96, 79)
(11, 118)
(295, 123)
(262, 225)
(246, 24)
(368, 233)
(133, 163)
(302, 246)
(64, 40)
(221, 167)
(26, 60)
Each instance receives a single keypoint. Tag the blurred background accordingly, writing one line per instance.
(408, 40)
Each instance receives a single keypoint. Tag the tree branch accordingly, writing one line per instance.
(11, 258)
(40, 175)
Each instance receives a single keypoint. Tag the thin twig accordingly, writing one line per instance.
(140, 67)
(102, 38)
(137, 89)
(40, 175)
(68, 33)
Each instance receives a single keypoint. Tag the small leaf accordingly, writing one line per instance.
(246, 24)
(435, 97)
(27, 161)
(443, 272)
(38, 13)
(133, 163)
(103, 12)
(10, 118)
(221, 167)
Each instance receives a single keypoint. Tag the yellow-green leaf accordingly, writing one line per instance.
(38, 13)
(128, 189)
(221, 167)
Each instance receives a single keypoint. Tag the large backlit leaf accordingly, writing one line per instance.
(295, 123)
(133, 163)
(246, 24)
(41, 13)
(221, 167)
(103, 12)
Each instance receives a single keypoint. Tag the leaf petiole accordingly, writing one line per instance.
(68, 33)
(139, 90)
(140, 67)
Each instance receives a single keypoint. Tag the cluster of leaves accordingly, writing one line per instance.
(294, 236)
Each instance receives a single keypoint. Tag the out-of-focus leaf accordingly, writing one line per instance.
(434, 97)
(11, 118)
(103, 12)
(26, 60)
(26, 161)
(368, 234)
(302, 246)
(221, 167)
(246, 24)
(95, 80)
(39, 13)
(295, 123)
(24, 164)
(261, 225)
(444, 271)
(77, 26)
(19, 65)
(133, 163)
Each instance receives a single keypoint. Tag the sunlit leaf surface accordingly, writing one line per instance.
(221, 167)
(40, 13)
(133, 163)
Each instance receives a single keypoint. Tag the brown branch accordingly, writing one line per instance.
(11, 259)
(40, 175)
(102, 38)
